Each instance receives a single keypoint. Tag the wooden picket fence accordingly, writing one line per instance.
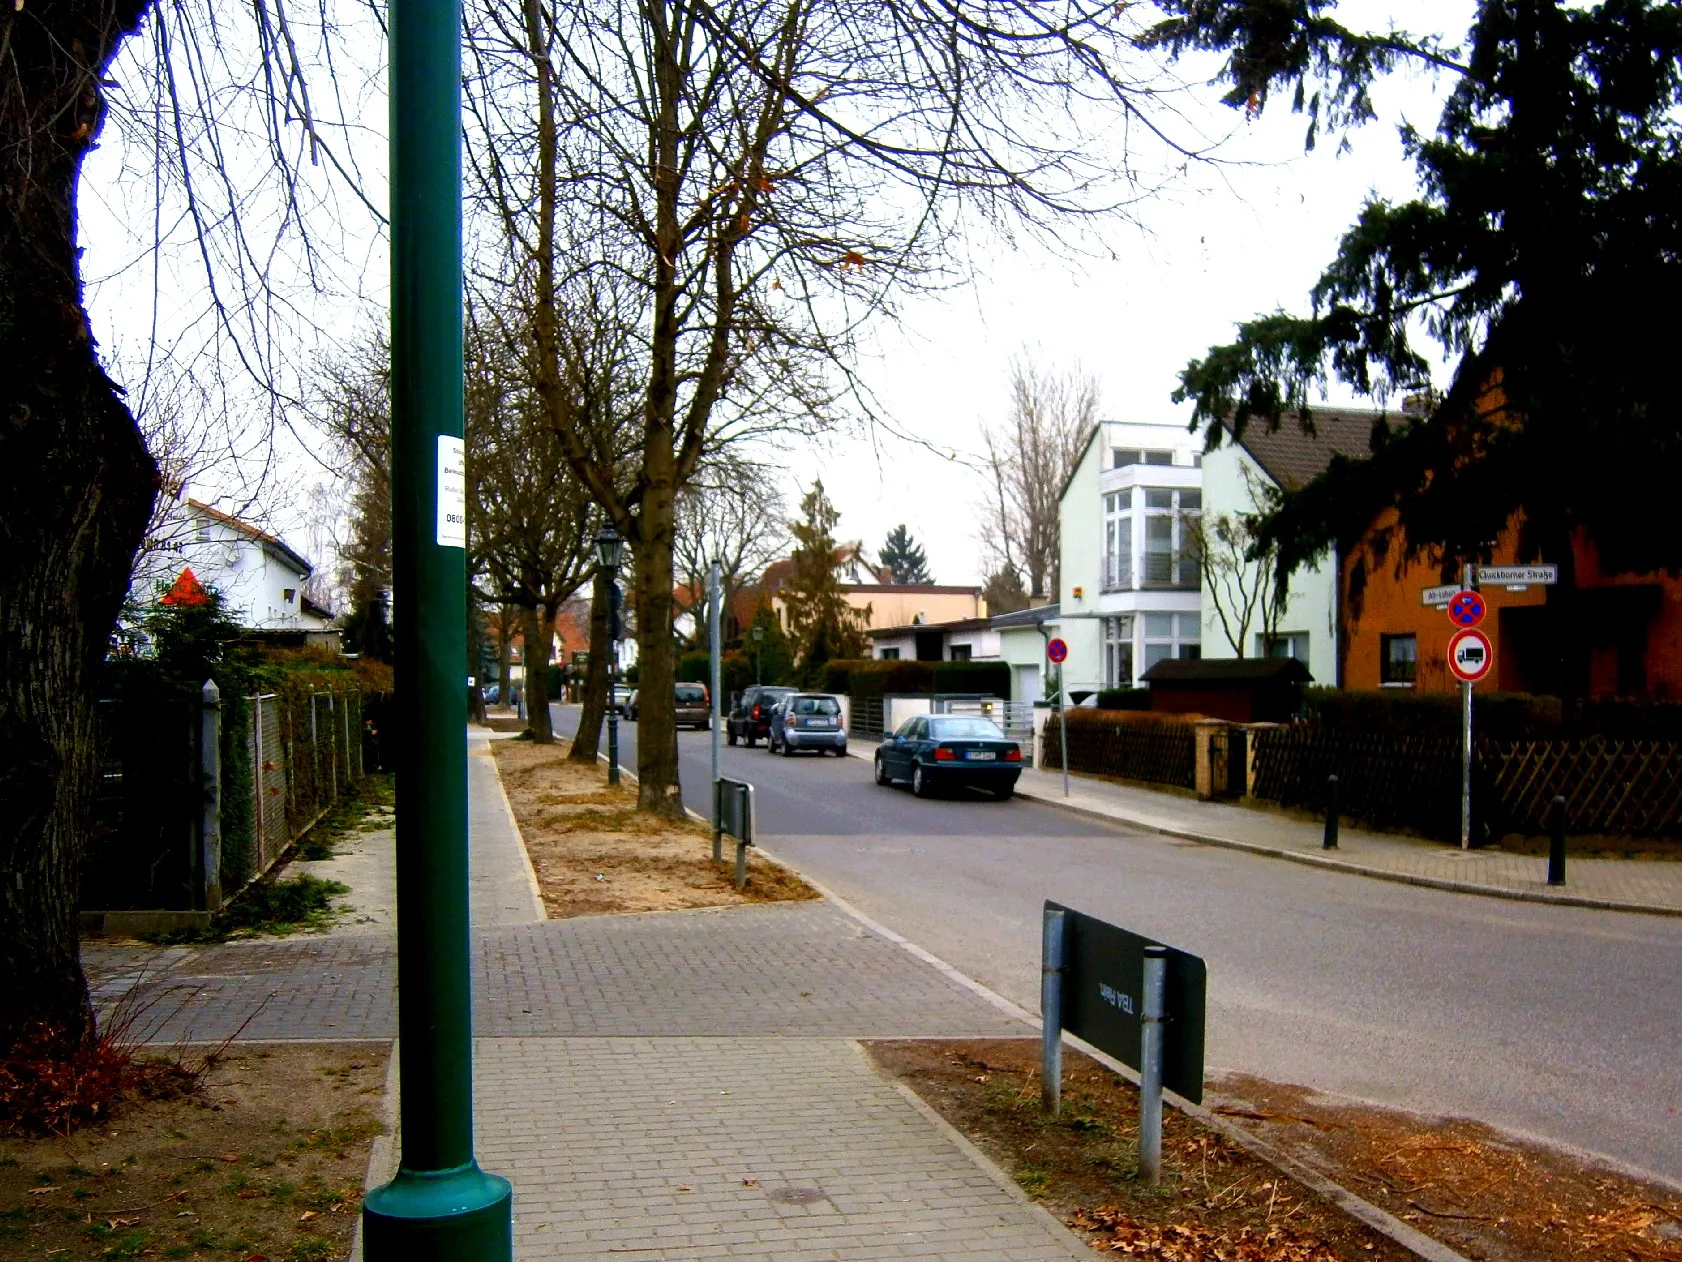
(1154, 752)
(1611, 787)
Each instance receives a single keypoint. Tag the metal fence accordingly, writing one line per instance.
(147, 842)
(865, 718)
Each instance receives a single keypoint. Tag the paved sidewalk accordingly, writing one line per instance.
(1623, 884)
(665, 1086)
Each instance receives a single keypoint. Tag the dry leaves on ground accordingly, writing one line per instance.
(596, 854)
(1116, 1232)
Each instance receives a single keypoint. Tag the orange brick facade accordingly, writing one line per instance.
(1613, 636)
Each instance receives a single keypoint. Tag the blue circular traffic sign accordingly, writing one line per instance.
(1466, 608)
(1057, 651)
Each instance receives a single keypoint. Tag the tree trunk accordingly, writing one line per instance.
(475, 656)
(505, 655)
(76, 488)
(540, 637)
(587, 742)
(658, 789)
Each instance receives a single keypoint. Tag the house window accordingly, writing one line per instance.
(1398, 658)
(1284, 644)
(890, 655)
(1171, 537)
(961, 652)
(1172, 635)
(1118, 542)
(288, 594)
(1118, 652)
(1124, 459)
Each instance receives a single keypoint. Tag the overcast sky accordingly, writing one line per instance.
(1219, 247)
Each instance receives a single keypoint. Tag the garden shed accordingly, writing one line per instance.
(1240, 690)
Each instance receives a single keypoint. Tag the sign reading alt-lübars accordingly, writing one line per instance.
(1439, 595)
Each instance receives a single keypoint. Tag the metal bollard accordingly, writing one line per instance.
(1051, 1012)
(1330, 840)
(1556, 845)
(742, 864)
(1150, 1066)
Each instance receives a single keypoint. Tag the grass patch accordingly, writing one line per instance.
(374, 795)
(269, 907)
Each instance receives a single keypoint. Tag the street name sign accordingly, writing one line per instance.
(1470, 655)
(1519, 575)
(1057, 651)
(1439, 595)
(1466, 608)
(1103, 998)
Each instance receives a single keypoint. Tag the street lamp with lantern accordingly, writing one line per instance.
(758, 642)
(610, 548)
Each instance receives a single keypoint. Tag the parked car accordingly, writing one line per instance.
(622, 693)
(694, 706)
(750, 717)
(807, 720)
(940, 750)
(631, 706)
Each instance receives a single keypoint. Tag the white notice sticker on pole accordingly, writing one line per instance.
(452, 492)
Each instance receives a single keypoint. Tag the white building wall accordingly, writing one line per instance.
(1080, 527)
(1230, 475)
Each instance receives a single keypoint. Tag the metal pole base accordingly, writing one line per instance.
(448, 1216)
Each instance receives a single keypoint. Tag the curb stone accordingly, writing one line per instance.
(1357, 869)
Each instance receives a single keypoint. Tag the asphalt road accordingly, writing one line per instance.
(1558, 1022)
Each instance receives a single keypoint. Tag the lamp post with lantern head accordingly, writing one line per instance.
(610, 549)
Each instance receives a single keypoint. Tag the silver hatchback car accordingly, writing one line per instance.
(807, 720)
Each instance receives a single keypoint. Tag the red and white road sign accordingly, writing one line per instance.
(1470, 655)
(1057, 651)
(1466, 609)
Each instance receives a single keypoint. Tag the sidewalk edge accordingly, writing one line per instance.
(1064, 1234)
(1356, 869)
(525, 851)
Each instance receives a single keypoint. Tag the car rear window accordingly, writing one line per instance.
(691, 692)
(816, 705)
(964, 729)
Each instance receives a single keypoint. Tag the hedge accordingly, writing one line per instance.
(1508, 716)
(1124, 699)
(879, 676)
(990, 678)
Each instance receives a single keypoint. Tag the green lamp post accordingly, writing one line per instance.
(610, 550)
(440, 1207)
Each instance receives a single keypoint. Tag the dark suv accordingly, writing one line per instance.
(750, 717)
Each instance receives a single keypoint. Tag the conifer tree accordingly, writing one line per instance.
(901, 554)
(821, 624)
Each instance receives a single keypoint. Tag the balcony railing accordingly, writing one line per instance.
(1171, 572)
(1116, 574)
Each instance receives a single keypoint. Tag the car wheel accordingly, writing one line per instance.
(729, 735)
(750, 738)
(786, 749)
(1004, 794)
(919, 782)
(882, 772)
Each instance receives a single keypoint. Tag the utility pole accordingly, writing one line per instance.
(715, 598)
(440, 1206)
(1466, 741)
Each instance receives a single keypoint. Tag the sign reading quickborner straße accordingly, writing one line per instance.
(1103, 999)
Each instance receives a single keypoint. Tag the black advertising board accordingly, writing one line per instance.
(1103, 998)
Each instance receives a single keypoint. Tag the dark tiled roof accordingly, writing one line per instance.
(1291, 457)
(962, 624)
(1227, 670)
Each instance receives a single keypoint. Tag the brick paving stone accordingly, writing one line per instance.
(679, 1126)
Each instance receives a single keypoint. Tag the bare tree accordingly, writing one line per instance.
(1029, 459)
(766, 177)
(1238, 575)
(732, 513)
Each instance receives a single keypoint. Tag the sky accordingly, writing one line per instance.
(1223, 244)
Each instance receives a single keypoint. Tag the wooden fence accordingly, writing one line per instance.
(1153, 752)
(1399, 781)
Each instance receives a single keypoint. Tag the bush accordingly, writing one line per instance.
(837, 674)
(695, 668)
(881, 676)
(989, 678)
(1499, 716)
(1124, 699)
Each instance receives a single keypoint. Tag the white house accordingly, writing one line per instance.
(963, 640)
(1022, 638)
(1129, 582)
(259, 577)
(1236, 477)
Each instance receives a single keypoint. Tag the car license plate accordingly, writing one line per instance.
(822, 722)
(981, 755)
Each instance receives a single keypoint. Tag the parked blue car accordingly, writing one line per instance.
(807, 720)
(949, 750)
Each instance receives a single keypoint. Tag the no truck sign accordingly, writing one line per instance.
(1470, 655)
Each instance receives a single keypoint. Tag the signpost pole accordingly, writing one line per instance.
(1051, 1012)
(1150, 1066)
(439, 1206)
(1466, 744)
(613, 680)
(715, 597)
